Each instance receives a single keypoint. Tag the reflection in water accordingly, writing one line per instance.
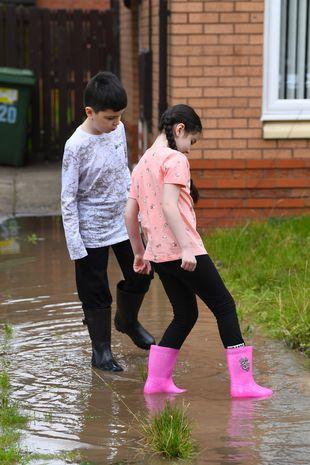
(74, 409)
(9, 243)
(242, 439)
(157, 402)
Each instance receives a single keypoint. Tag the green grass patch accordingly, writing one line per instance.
(10, 417)
(266, 268)
(9, 439)
(11, 456)
(142, 369)
(4, 383)
(8, 330)
(168, 433)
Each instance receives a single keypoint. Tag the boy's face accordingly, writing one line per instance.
(103, 121)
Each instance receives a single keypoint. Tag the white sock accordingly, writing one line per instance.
(236, 346)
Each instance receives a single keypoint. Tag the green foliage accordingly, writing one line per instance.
(168, 433)
(266, 268)
(142, 372)
(10, 417)
(4, 382)
(11, 455)
(32, 238)
(8, 330)
(9, 439)
(68, 456)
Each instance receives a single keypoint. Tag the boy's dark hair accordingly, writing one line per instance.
(181, 114)
(104, 91)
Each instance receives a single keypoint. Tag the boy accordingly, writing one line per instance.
(95, 184)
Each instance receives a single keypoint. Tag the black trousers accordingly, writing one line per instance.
(92, 276)
(182, 287)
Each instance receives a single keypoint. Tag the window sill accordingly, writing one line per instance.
(286, 130)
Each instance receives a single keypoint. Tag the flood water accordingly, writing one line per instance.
(73, 407)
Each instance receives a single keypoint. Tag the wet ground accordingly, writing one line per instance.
(76, 408)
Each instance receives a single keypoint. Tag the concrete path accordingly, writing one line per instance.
(30, 190)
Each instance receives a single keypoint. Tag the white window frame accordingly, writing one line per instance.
(275, 109)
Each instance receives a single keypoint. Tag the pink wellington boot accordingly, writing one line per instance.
(160, 368)
(240, 368)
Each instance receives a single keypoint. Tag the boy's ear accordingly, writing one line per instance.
(89, 112)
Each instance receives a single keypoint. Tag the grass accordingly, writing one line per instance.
(4, 383)
(11, 420)
(168, 433)
(142, 370)
(32, 238)
(8, 330)
(11, 455)
(266, 268)
(10, 416)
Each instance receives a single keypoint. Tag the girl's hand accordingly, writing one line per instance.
(141, 266)
(189, 261)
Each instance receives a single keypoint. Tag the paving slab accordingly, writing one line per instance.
(30, 190)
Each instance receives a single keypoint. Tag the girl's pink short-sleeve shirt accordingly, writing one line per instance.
(156, 168)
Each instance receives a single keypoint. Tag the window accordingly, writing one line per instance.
(286, 60)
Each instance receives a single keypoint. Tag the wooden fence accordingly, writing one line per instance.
(64, 49)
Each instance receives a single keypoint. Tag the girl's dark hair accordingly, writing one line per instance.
(105, 92)
(186, 115)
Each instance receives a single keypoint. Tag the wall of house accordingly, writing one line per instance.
(129, 73)
(215, 64)
(149, 17)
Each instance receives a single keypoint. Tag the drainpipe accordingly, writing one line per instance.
(163, 55)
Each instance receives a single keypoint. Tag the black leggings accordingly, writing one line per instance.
(182, 287)
(91, 274)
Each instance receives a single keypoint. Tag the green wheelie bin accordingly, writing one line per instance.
(15, 91)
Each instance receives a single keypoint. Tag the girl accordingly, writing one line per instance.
(160, 192)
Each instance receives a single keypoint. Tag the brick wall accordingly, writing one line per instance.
(75, 4)
(129, 73)
(215, 65)
(216, 53)
(236, 190)
(145, 43)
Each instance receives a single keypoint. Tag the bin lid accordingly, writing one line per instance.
(17, 76)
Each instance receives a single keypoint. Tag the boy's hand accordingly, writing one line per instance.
(141, 266)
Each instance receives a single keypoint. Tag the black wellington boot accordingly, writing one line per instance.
(98, 322)
(126, 317)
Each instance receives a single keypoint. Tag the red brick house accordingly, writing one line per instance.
(238, 64)
(228, 59)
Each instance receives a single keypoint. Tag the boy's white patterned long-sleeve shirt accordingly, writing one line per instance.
(95, 185)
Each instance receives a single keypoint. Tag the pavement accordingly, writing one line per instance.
(30, 190)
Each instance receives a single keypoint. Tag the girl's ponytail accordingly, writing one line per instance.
(167, 126)
(186, 115)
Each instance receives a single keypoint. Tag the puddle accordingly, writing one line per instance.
(74, 409)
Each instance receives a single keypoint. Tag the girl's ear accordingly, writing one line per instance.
(179, 129)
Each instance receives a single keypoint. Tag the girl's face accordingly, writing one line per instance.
(183, 139)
